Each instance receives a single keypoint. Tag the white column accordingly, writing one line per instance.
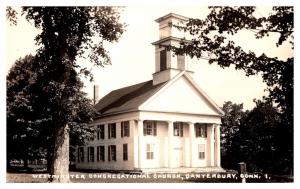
(212, 145)
(170, 143)
(218, 149)
(191, 136)
(140, 143)
(134, 135)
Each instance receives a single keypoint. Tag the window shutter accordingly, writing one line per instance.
(114, 130)
(103, 133)
(181, 129)
(98, 153)
(115, 152)
(122, 129)
(103, 153)
(108, 131)
(154, 128)
(108, 153)
(128, 128)
(145, 129)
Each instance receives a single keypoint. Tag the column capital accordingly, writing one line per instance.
(139, 120)
(170, 122)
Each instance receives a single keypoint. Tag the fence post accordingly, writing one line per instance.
(242, 170)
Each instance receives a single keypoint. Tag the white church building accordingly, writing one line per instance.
(166, 123)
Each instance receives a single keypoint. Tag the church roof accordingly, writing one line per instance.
(127, 98)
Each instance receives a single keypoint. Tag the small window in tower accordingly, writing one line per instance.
(163, 60)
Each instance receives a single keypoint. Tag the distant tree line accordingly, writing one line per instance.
(255, 137)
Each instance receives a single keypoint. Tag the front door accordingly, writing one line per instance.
(178, 157)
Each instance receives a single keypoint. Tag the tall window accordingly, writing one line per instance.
(80, 154)
(100, 153)
(112, 130)
(125, 152)
(201, 151)
(90, 154)
(112, 153)
(125, 129)
(100, 132)
(150, 128)
(178, 129)
(92, 137)
(150, 151)
(163, 60)
(201, 130)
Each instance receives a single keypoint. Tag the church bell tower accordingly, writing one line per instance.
(167, 64)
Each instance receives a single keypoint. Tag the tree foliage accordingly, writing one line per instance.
(254, 137)
(231, 122)
(29, 130)
(211, 40)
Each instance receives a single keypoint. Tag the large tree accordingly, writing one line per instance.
(22, 132)
(29, 131)
(211, 41)
(230, 128)
(67, 33)
(257, 139)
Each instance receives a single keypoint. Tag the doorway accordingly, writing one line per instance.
(178, 157)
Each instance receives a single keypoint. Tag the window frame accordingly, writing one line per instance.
(200, 130)
(125, 152)
(91, 154)
(112, 153)
(112, 132)
(125, 129)
(92, 138)
(100, 153)
(100, 131)
(80, 154)
(201, 151)
(150, 128)
(178, 129)
(149, 151)
(163, 60)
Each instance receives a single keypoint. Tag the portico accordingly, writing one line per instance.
(181, 145)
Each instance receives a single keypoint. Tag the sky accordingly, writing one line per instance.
(133, 55)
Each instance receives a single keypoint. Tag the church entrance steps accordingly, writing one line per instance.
(185, 170)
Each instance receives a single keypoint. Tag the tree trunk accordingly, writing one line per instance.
(60, 162)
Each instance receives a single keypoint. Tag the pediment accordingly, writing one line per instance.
(181, 96)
